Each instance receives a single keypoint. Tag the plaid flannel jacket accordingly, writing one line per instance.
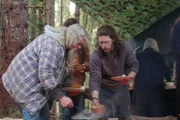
(34, 71)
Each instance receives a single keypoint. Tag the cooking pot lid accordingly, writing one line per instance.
(87, 115)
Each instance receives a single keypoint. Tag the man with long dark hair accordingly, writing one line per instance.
(112, 57)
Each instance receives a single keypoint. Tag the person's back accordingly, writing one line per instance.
(149, 90)
(152, 71)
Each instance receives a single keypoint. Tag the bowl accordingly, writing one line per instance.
(79, 67)
(97, 109)
(170, 84)
(74, 85)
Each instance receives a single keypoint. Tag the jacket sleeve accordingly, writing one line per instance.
(130, 59)
(56, 93)
(95, 73)
(175, 40)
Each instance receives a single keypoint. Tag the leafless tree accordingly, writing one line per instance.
(50, 11)
(14, 38)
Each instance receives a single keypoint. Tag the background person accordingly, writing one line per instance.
(111, 58)
(175, 45)
(67, 23)
(70, 21)
(76, 55)
(149, 88)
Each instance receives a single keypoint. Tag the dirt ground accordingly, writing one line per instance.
(10, 119)
(133, 118)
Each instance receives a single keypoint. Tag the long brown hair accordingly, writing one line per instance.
(107, 30)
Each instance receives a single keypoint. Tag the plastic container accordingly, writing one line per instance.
(97, 109)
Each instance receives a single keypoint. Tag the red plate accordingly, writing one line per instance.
(120, 78)
(73, 89)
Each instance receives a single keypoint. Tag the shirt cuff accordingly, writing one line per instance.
(56, 94)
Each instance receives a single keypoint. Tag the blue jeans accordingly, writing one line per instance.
(42, 114)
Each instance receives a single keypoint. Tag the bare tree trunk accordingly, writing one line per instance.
(33, 26)
(0, 31)
(61, 12)
(85, 20)
(41, 22)
(50, 11)
(41, 18)
(36, 19)
(77, 13)
(14, 23)
(68, 8)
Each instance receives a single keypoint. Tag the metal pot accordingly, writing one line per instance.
(86, 115)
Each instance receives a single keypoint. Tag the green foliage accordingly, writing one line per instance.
(35, 18)
(129, 17)
(40, 4)
(36, 3)
(11, 112)
(91, 26)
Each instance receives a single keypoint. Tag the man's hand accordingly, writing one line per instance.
(75, 61)
(66, 102)
(84, 68)
(131, 84)
(132, 74)
(95, 102)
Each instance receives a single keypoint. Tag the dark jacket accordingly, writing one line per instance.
(152, 70)
(175, 43)
(149, 88)
(102, 69)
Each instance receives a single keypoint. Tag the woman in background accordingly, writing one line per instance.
(149, 89)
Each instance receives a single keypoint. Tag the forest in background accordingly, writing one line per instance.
(21, 21)
(55, 13)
